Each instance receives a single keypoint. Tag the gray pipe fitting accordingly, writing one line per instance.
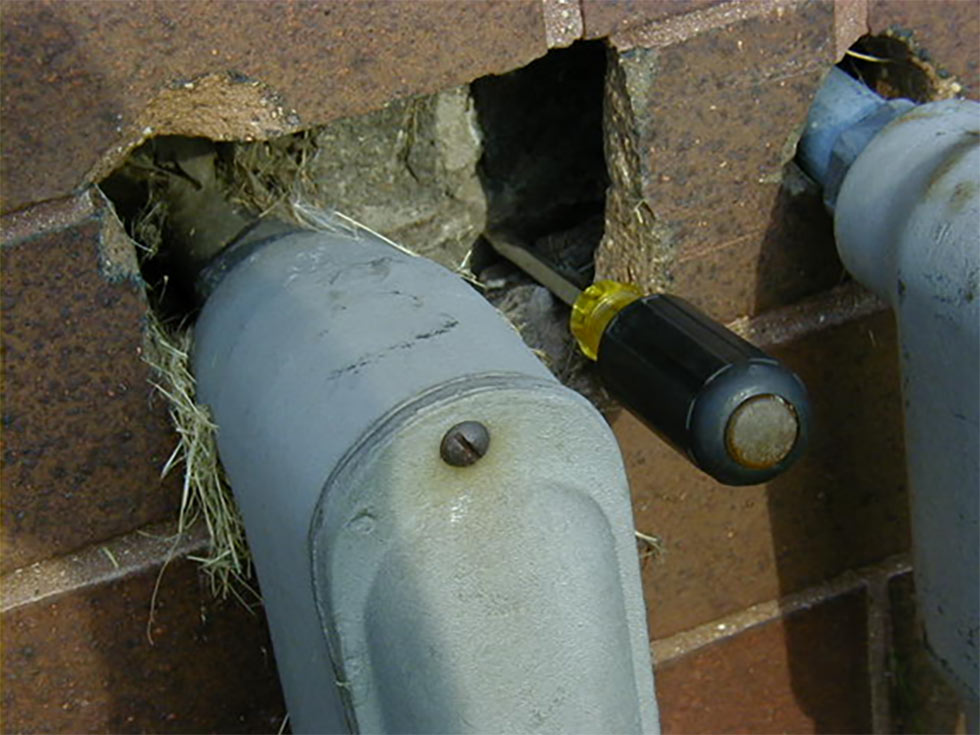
(406, 592)
(844, 117)
(908, 227)
(904, 184)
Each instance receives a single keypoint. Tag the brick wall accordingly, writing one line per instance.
(782, 607)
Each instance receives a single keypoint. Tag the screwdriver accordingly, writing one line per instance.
(738, 414)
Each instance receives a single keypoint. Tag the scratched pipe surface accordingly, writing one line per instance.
(907, 223)
(405, 594)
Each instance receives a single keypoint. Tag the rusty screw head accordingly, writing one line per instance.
(762, 431)
(464, 444)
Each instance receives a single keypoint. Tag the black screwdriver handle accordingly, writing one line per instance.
(737, 413)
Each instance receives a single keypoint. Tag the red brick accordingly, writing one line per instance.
(851, 22)
(602, 17)
(842, 506)
(82, 80)
(83, 446)
(806, 673)
(82, 662)
(711, 121)
(791, 258)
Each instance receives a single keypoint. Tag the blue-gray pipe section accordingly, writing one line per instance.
(844, 117)
(904, 184)
(404, 594)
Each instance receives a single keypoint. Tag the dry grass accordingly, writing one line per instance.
(148, 227)
(653, 546)
(206, 495)
(267, 176)
(273, 178)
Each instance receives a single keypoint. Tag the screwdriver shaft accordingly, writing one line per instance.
(534, 266)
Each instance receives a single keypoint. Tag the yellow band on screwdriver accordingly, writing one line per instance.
(594, 309)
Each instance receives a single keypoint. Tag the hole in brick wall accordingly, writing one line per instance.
(543, 166)
(894, 65)
(544, 173)
(522, 151)
(136, 190)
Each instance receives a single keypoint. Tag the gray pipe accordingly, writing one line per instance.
(406, 594)
(844, 117)
(907, 224)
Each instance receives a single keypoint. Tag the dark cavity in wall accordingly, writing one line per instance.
(895, 66)
(155, 193)
(543, 171)
(532, 140)
(543, 166)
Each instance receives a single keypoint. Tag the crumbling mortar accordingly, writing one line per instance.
(636, 246)
(228, 106)
(117, 259)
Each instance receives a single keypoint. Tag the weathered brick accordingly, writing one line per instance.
(794, 255)
(843, 505)
(805, 673)
(83, 661)
(83, 446)
(701, 129)
(84, 81)
(602, 17)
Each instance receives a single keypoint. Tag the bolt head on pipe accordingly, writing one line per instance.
(464, 444)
